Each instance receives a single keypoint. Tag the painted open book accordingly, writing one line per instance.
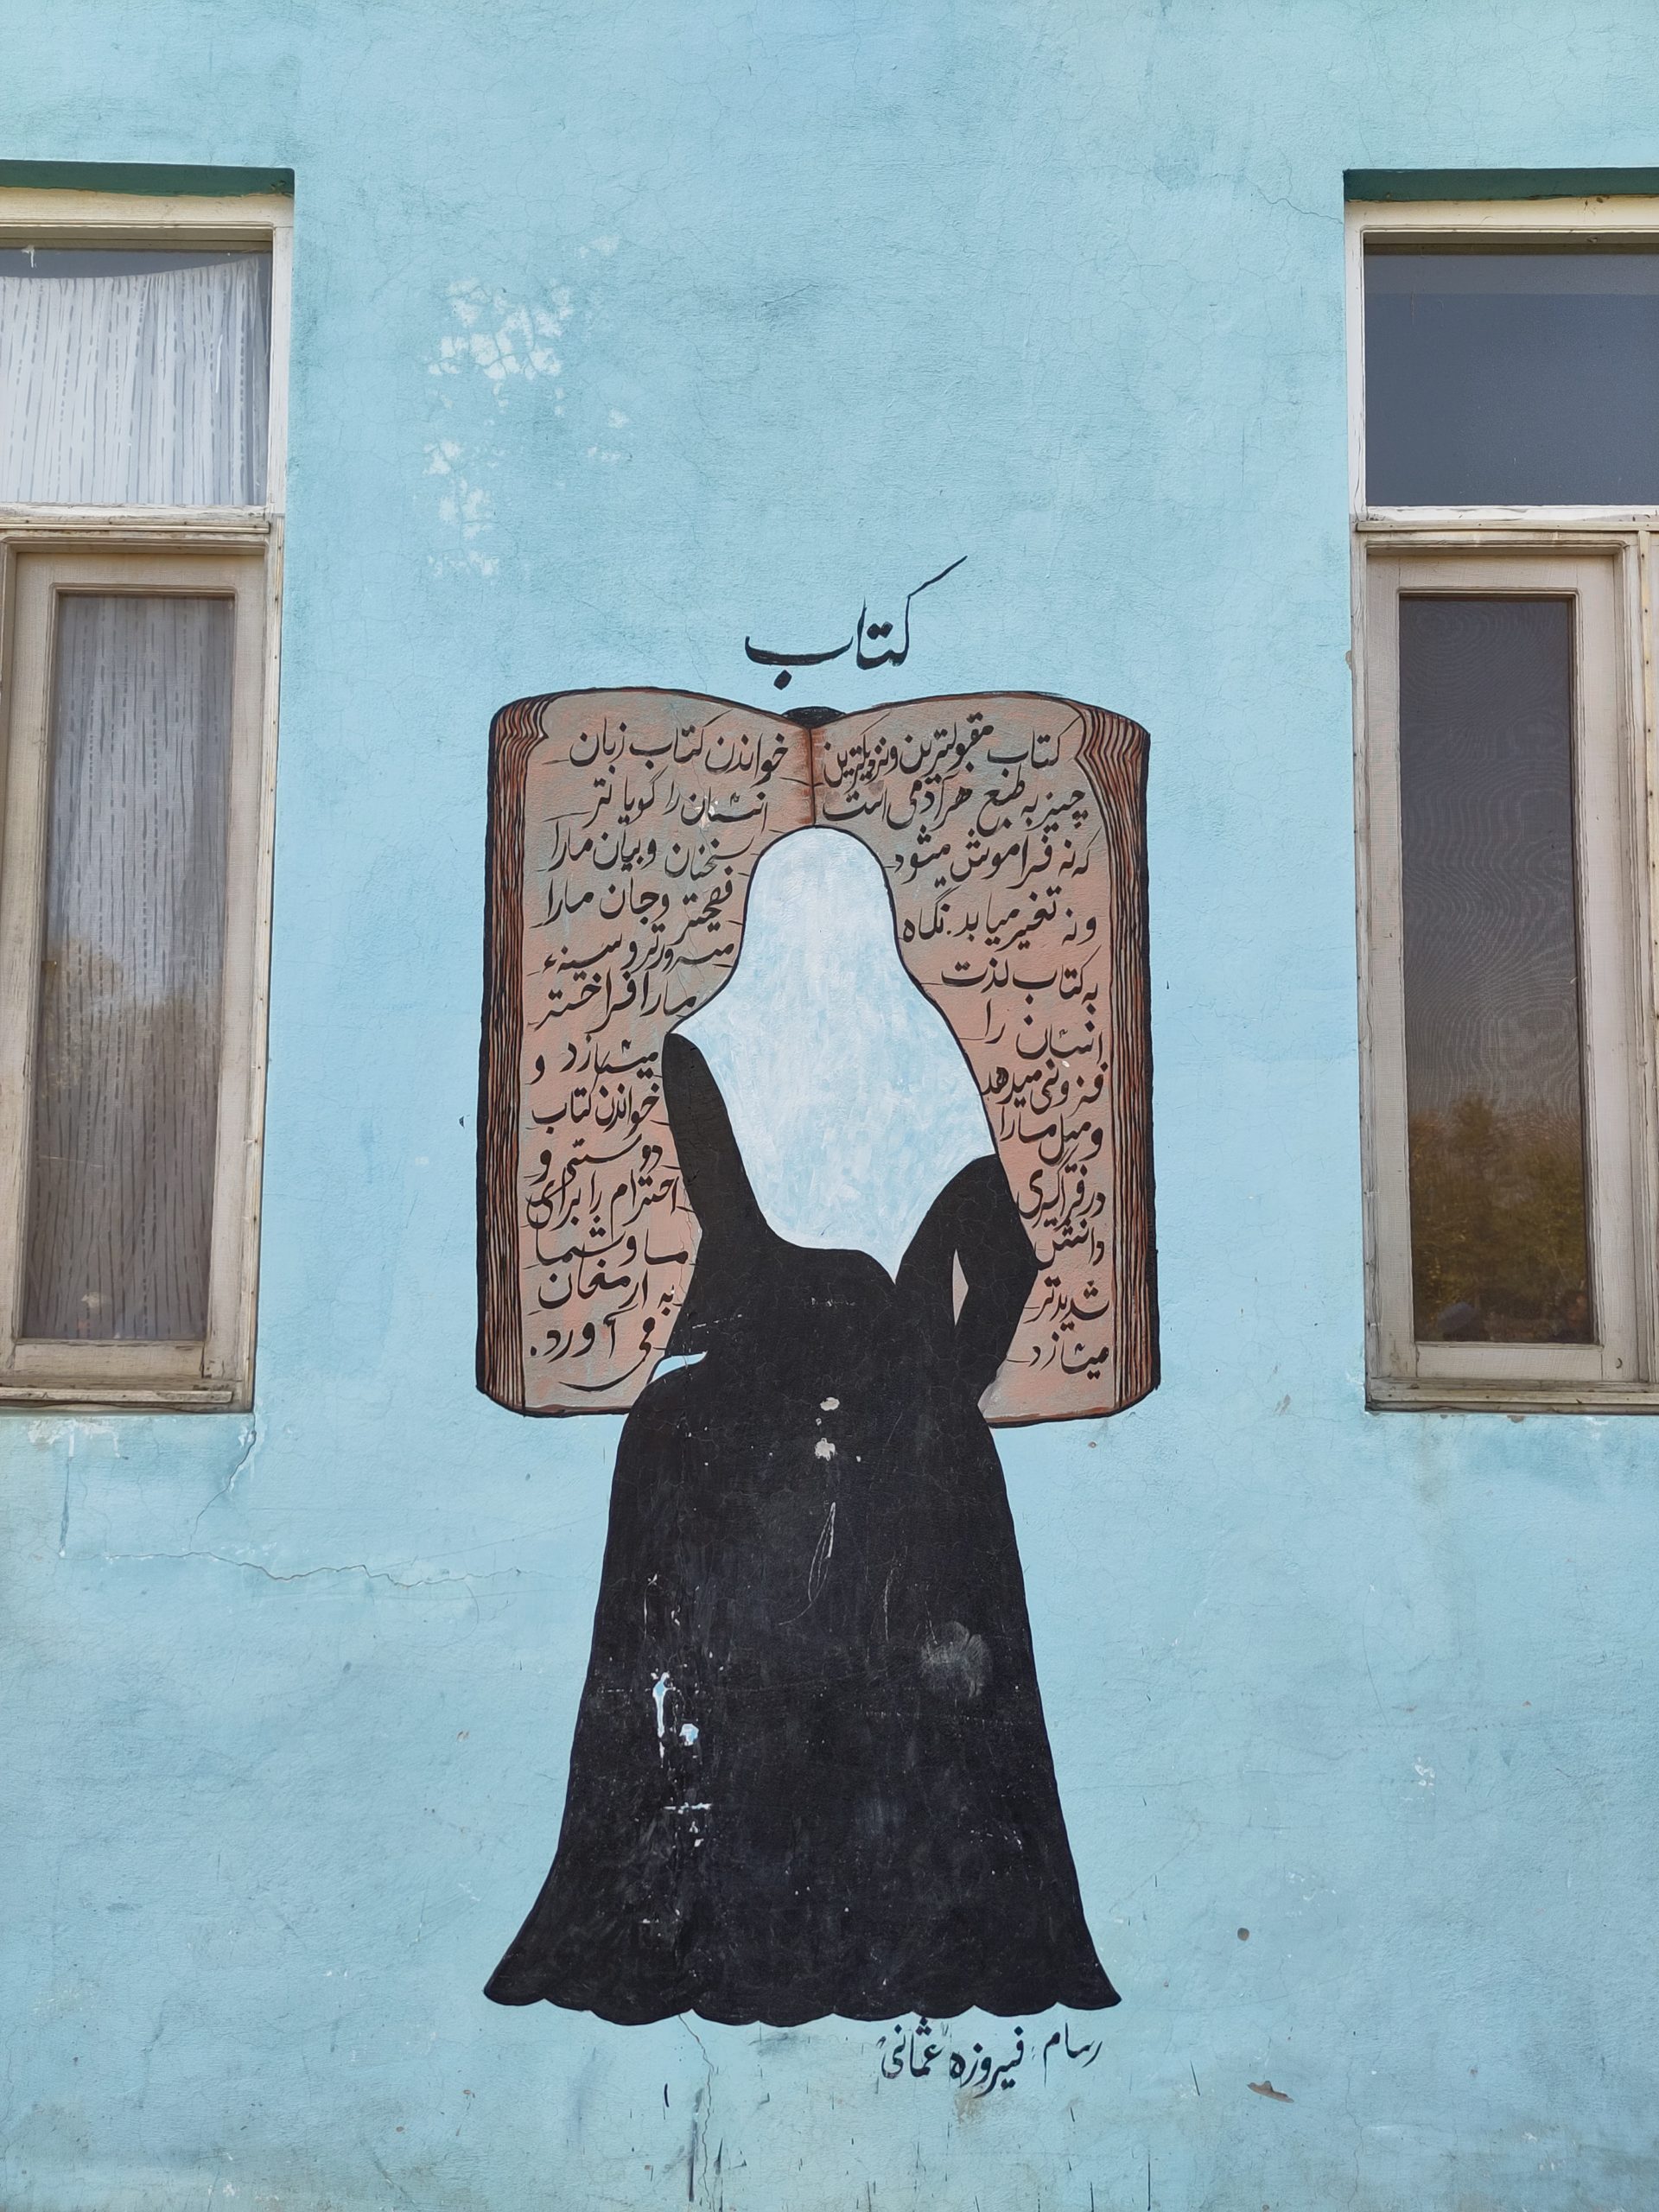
(624, 826)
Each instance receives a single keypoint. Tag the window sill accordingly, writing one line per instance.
(205, 1398)
(1386, 1393)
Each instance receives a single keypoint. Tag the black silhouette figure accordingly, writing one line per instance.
(810, 1772)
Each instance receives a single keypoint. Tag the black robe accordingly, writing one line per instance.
(810, 1773)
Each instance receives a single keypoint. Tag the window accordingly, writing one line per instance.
(142, 347)
(1505, 472)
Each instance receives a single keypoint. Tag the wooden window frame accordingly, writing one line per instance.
(1601, 558)
(220, 551)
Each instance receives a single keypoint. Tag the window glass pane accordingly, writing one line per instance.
(126, 1075)
(1504, 378)
(134, 379)
(1494, 1093)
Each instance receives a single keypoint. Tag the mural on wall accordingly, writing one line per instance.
(815, 1132)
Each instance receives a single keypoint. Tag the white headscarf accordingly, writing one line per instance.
(849, 1098)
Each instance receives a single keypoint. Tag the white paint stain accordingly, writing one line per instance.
(659, 1690)
(1425, 1775)
(830, 1405)
(689, 1732)
(823, 1449)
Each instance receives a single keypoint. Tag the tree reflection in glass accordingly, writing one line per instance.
(1498, 1213)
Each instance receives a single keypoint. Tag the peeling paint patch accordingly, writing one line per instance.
(502, 339)
(70, 1429)
(956, 1662)
(465, 507)
(499, 344)
(659, 1690)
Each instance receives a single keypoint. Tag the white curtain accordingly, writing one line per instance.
(127, 1053)
(134, 379)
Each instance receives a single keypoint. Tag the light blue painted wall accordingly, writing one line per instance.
(842, 291)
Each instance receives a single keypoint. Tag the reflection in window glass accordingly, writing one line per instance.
(127, 1047)
(1494, 1090)
(1495, 378)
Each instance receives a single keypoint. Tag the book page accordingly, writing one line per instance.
(1012, 829)
(624, 827)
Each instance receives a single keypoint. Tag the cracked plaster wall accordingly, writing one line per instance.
(621, 331)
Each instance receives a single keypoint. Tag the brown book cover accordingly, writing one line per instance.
(623, 826)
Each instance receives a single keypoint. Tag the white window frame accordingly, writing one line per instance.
(1601, 558)
(226, 551)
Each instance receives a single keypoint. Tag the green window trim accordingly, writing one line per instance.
(1500, 184)
(153, 180)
